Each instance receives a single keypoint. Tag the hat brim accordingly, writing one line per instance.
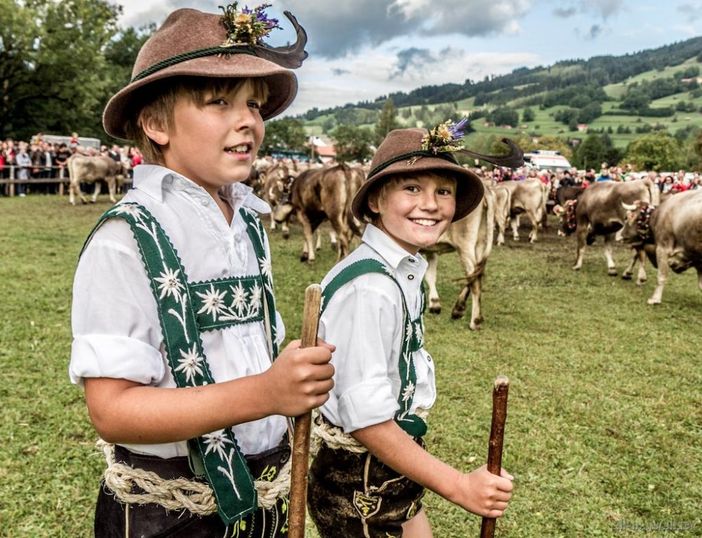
(469, 187)
(282, 86)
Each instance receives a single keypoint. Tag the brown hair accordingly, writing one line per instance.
(161, 100)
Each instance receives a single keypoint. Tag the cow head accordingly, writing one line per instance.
(637, 224)
(567, 216)
(282, 212)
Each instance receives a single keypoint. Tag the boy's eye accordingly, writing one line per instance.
(254, 104)
(446, 191)
(412, 188)
(218, 101)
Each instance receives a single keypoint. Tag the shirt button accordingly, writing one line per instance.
(411, 260)
(411, 277)
(205, 202)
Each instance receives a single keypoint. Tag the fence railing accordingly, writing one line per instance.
(59, 176)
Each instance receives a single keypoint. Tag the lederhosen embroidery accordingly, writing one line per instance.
(381, 499)
(184, 309)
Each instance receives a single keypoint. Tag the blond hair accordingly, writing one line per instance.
(163, 96)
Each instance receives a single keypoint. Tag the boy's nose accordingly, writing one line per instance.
(429, 201)
(245, 117)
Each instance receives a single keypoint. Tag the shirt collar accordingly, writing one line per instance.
(386, 246)
(151, 179)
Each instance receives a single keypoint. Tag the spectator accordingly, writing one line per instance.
(24, 163)
(73, 142)
(667, 185)
(604, 173)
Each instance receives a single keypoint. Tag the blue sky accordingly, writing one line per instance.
(362, 49)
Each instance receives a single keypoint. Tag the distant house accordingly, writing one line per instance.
(582, 127)
(324, 149)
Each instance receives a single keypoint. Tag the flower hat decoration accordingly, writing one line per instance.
(247, 26)
(447, 137)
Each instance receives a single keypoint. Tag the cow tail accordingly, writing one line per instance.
(654, 192)
(477, 272)
(490, 203)
(351, 221)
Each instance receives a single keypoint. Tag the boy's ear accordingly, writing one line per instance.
(372, 202)
(154, 129)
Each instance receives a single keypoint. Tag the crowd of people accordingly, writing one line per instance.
(43, 159)
(668, 182)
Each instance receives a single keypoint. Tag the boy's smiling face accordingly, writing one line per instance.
(215, 144)
(415, 210)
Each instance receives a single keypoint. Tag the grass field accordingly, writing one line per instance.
(604, 429)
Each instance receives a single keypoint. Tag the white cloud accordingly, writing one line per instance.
(370, 77)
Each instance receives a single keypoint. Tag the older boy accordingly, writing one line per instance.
(174, 319)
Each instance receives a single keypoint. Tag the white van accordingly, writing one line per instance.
(546, 160)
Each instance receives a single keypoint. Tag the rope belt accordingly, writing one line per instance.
(180, 493)
(335, 438)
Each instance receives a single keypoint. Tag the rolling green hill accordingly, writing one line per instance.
(623, 96)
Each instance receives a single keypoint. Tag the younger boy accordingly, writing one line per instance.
(370, 483)
(174, 319)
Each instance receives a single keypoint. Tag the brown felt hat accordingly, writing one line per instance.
(191, 43)
(401, 153)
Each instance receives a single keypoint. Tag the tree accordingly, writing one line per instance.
(504, 116)
(658, 151)
(352, 143)
(387, 121)
(594, 150)
(528, 115)
(54, 73)
(287, 133)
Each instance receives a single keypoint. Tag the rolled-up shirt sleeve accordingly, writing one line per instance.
(361, 320)
(114, 316)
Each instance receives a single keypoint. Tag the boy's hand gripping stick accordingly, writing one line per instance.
(497, 433)
(301, 438)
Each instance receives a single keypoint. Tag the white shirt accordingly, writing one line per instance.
(116, 330)
(364, 320)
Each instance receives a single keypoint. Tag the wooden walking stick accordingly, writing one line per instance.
(497, 434)
(303, 423)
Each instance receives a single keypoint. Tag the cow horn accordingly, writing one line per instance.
(514, 159)
(290, 56)
(629, 207)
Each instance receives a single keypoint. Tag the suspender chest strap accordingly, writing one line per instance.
(412, 340)
(184, 310)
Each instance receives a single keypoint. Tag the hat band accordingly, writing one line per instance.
(411, 156)
(200, 53)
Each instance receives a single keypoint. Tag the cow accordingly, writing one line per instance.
(599, 211)
(320, 194)
(471, 237)
(670, 235)
(93, 169)
(275, 184)
(527, 196)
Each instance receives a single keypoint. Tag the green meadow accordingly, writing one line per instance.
(604, 427)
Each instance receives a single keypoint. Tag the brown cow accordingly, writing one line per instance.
(93, 169)
(320, 194)
(275, 184)
(472, 238)
(671, 235)
(599, 211)
(527, 196)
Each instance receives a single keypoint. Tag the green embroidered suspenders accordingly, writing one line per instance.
(413, 340)
(184, 310)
